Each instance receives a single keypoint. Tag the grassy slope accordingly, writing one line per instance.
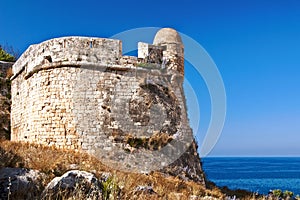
(55, 162)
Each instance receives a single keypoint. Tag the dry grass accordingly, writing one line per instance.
(9, 73)
(50, 160)
(55, 162)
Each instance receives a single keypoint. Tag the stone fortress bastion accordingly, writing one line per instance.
(130, 112)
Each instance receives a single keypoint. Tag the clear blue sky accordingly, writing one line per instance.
(254, 43)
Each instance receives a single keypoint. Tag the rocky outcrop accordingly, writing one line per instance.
(76, 184)
(188, 166)
(20, 183)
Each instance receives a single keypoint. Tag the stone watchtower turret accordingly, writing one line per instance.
(167, 49)
(130, 112)
(174, 50)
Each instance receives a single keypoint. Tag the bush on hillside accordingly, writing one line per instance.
(4, 56)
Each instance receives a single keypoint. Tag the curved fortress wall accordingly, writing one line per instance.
(43, 87)
(81, 93)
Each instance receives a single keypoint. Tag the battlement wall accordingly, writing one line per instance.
(166, 52)
(75, 51)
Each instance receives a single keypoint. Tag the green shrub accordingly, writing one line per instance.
(288, 194)
(277, 193)
(285, 194)
(4, 56)
(110, 189)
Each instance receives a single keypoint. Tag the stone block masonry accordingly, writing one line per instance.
(130, 112)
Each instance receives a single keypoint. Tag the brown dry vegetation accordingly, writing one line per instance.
(55, 162)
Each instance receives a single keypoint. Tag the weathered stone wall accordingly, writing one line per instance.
(42, 107)
(92, 107)
(81, 93)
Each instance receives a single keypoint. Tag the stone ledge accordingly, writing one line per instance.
(96, 66)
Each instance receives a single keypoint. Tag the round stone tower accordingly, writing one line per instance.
(82, 93)
(174, 49)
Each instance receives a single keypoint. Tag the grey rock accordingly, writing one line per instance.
(146, 189)
(74, 184)
(20, 183)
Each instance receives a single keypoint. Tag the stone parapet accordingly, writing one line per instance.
(75, 51)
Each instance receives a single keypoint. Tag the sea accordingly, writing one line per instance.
(255, 174)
